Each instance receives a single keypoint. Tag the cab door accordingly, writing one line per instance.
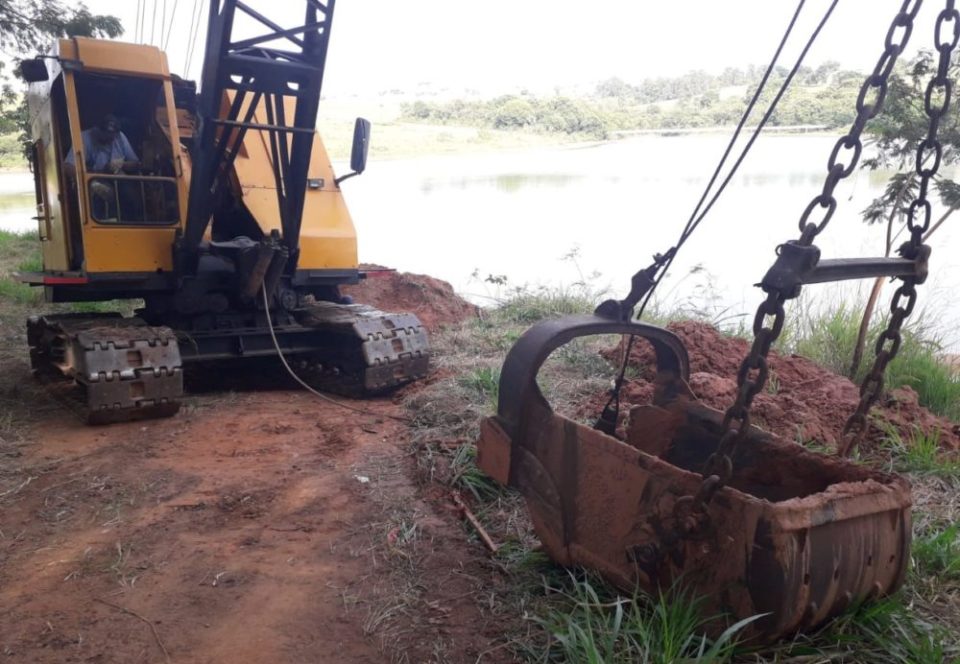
(51, 221)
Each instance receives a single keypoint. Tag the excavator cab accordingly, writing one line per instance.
(98, 219)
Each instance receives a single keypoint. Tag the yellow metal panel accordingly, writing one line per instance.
(328, 239)
(113, 57)
(130, 249)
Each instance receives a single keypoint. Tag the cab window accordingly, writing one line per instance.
(136, 201)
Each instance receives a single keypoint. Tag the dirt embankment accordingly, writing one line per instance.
(433, 301)
(802, 401)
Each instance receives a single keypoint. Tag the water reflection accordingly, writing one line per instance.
(519, 213)
(508, 183)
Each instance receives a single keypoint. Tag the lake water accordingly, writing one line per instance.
(614, 204)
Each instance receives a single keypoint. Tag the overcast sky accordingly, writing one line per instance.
(501, 44)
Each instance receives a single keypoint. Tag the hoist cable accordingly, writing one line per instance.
(193, 43)
(613, 403)
(746, 115)
(153, 22)
(173, 16)
(163, 23)
(688, 231)
(303, 383)
(193, 22)
(136, 23)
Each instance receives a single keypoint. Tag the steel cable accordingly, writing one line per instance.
(193, 21)
(693, 224)
(303, 383)
(193, 43)
(697, 216)
(153, 22)
(173, 16)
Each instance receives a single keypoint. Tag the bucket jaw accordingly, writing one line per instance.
(795, 537)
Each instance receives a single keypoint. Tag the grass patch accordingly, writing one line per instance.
(485, 381)
(592, 626)
(467, 476)
(20, 293)
(19, 252)
(828, 337)
(919, 453)
(938, 554)
(17, 248)
(882, 632)
(918, 366)
(528, 306)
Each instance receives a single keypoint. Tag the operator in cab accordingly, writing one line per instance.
(106, 149)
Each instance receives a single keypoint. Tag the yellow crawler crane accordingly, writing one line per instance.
(220, 211)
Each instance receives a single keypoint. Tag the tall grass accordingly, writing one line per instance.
(828, 337)
(593, 625)
(528, 305)
(918, 452)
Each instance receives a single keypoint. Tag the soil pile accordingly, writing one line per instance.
(433, 301)
(801, 402)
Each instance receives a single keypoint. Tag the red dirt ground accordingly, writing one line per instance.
(252, 527)
(270, 526)
(802, 402)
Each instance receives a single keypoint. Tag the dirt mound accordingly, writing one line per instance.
(433, 301)
(801, 402)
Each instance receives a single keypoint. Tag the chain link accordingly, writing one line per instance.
(769, 320)
(870, 100)
(929, 149)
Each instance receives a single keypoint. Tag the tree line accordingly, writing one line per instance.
(822, 96)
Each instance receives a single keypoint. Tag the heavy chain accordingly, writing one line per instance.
(769, 319)
(936, 103)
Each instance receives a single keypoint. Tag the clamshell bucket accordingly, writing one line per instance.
(795, 536)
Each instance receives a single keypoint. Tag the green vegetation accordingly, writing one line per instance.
(28, 27)
(485, 380)
(882, 632)
(824, 97)
(11, 152)
(593, 624)
(18, 252)
(918, 453)
(828, 337)
(938, 554)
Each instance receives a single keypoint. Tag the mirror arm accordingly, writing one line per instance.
(340, 179)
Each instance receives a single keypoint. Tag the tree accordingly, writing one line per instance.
(29, 27)
(896, 133)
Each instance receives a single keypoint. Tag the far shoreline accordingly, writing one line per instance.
(502, 141)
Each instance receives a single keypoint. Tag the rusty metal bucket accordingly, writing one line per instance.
(795, 535)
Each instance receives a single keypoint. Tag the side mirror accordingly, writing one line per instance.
(34, 70)
(361, 145)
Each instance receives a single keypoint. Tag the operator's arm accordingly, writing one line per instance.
(131, 162)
